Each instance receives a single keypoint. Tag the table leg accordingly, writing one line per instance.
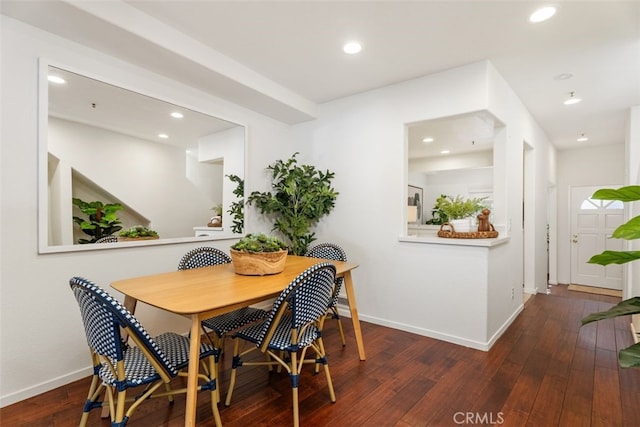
(192, 377)
(353, 308)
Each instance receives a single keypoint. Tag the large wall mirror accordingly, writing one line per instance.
(166, 165)
(450, 156)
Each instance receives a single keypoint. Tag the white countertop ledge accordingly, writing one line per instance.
(435, 240)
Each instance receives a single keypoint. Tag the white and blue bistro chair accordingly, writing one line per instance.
(293, 326)
(108, 239)
(143, 367)
(224, 323)
(336, 253)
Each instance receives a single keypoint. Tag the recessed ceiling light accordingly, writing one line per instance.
(445, 152)
(177, 115)
(563, 76)
(542, 14)
(163, 135)
(427, 140)
(572, 99)
(352, 47)
(57, 80)
(582, 138)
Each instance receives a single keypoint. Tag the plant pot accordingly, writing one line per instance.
(462, 225)
(258, 263)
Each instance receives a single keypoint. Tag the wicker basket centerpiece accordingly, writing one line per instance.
(258, 255)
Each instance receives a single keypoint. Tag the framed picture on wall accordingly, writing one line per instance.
(415, 197)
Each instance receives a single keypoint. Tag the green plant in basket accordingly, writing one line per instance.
(139, 232)
(259, 242)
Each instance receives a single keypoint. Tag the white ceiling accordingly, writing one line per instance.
(91, 102)
(284, 58)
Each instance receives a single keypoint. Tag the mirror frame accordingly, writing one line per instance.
(42, 164)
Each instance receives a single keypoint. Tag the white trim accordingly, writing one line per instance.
(484, 346)
(43, 387)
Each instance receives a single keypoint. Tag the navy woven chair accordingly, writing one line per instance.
(145, 367)
(224, 323)
(336, 253)
(293, 325)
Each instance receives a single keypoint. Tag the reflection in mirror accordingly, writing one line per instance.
(166, 165)
(451, 156)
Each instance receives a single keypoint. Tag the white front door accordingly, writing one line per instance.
(592, 223)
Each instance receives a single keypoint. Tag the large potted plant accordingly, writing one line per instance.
(301, 196)
(460, 211)
(258, 254)
(630, 356)
(102, 219)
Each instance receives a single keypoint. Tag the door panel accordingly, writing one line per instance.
(592, 223)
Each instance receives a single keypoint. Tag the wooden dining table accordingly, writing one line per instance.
(201, 293)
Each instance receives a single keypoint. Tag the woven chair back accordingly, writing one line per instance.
(203, 257)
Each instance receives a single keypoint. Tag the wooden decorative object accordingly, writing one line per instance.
(447, 230)
(258, 263)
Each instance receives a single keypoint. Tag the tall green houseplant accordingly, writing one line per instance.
(301, 196)
(630, 356)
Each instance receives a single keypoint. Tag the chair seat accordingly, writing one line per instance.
(233, 320)
(138, 369)
(281, 339)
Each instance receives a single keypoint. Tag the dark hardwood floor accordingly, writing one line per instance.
(544, 371)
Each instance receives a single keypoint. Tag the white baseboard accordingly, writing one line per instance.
(40, 388)
(484, 346)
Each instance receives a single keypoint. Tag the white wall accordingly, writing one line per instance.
(589, 166)
(38, 315)
(229, 145)
(415, 286)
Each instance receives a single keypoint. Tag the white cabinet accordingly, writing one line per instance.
(207, 231)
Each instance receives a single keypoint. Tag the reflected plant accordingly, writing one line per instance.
(102, 220)
(236, 209)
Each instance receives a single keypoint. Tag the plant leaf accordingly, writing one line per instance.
(628, 231)
(624, 194)
(623, 308)
(630, 356)
(614, 257)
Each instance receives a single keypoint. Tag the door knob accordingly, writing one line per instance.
(575, 240)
